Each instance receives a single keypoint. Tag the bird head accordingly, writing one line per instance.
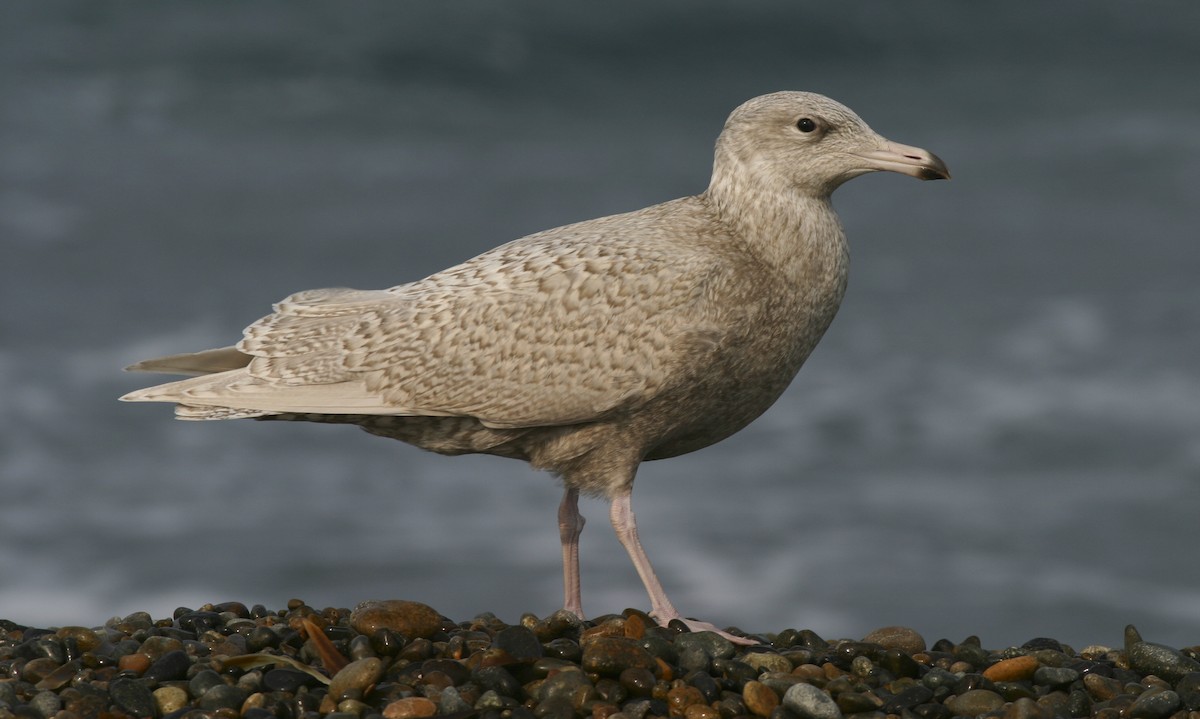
(812, 144)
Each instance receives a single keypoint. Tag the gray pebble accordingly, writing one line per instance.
(1160, 660)
(1154, 705)
(451, 702)
(132, 697)
(809, 702)
(169, 667)
(1188, 689)
(695, 659)
(1054, 676)
(223, 697)
(520, 643)
(46, 703)
(717, 646)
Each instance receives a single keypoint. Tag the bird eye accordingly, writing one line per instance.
(806, 124)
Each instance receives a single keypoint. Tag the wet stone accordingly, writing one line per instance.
(1188, 689)
(900, 664)
(717, 646)
(410, 619)
(1042, 643)
(169, 699)
(454, 671)
(1163, 661)
(1012, 691)
(1102, 688)
(1154, 705)
(287, 680)
(768, 662)
(611, 656)
(706, 684)
(1012, 670)
(261, 638)
(975, 702)
(203, 681)
(223, 697)
(1054, 676)
(809, 702)
(46, 704)
(132, 697)
(736, 672)
(410, 708)
(857, 702)
(520, 643)
(355, 676)
(155, 647)
(694, 659)
(938, 677)
(903, 638)
(637, 681)
(169, 667)
(200, 622)
(759, 698)
(563, 686)
(497, 679)
(562, 648)
(907, 699)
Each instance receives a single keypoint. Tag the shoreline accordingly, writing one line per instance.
(399, 660)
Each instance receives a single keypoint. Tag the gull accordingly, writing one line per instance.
(586, 349)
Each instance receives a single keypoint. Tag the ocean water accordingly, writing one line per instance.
(1000, 434)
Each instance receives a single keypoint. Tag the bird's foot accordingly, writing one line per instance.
(698, 626)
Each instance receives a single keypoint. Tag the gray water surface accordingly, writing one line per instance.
(998, 436)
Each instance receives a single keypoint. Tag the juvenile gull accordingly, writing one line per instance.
(588, 348)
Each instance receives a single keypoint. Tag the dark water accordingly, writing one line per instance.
(999, 435)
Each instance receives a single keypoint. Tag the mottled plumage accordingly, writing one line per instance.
(588, 348)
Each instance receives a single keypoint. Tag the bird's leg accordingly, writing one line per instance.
(570, 525)
(621, 514)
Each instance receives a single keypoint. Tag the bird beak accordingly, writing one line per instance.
(912, 161)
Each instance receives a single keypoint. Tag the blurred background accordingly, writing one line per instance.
(1000, 434)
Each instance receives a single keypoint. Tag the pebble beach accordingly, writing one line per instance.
(399, 659)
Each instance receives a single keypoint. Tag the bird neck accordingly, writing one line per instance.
(786, 228)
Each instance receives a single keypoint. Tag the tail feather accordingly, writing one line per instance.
(222, 359)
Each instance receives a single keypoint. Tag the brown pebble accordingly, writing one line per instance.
(409, 708)
(612, 655)
(1101, 688)
(1012, 670)
(767, 662)
(35, 670)
(257, 700)
(760, 699)
(635, 626)
(811, 674)
(410, 619)
(57, 678)
(975, 702)
(831, 671)
(357, 675)
(85, 639)
(681, 696)
(614, 627)
(604, 710)
(701, 711)
(903, 638)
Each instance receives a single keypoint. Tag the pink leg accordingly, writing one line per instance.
(570, 525)
(621, 515)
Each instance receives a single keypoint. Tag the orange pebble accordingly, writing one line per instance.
(135, 662)
(1012, 670)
